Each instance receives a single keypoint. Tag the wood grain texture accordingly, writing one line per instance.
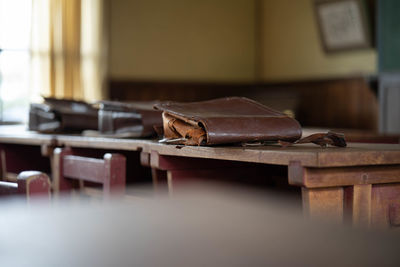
(385, 205)
(165, 162)
(339, 103)
(324, 203)
(272, 154)
(355, 154)
(109, 171)
(347, 102)
(101, 142)
(89, 169)
(342, 176)
(368, 169)
(309, 155)
(361, 205)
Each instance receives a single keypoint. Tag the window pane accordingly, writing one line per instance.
(15, 21)
(14, 85)
(15, 16)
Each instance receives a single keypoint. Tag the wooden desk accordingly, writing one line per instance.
(102, 142)
(360, 183)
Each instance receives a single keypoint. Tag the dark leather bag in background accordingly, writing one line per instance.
(62, 115)
(129, 119)
(225, 120)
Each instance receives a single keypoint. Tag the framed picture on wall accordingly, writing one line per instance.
(342, 24)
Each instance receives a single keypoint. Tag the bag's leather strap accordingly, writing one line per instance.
(321, 139)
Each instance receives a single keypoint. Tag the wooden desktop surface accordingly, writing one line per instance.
(356, 154)
(361, 180)
(19, 134)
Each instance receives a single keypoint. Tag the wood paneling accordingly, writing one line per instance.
(349, 103)
(335, 103)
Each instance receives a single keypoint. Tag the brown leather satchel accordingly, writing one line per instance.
(226, 120)
(234, 120)
(130, 119)
(62, 115)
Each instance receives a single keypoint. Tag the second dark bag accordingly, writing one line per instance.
(129, 119)
(62, 115)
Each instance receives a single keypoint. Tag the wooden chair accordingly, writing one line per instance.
(71, 167)
(29, 184)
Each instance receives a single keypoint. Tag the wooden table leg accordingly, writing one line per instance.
(358, 200)
(368, 196)
(159, 177)
(323, 203)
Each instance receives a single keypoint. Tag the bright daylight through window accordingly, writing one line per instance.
(15, 89)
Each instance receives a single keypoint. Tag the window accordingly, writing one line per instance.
(15, 90)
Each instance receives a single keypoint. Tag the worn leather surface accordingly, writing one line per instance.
(62, 115)
(226, 120)
(135, 118)
(321, 139)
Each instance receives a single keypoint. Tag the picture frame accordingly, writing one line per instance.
(342, 25)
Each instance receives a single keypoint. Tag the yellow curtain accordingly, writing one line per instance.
(65, 24)
(94, 40)
(68, 51)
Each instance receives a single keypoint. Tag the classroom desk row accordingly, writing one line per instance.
(359, 183)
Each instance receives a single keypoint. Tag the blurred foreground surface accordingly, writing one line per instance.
(201, 225)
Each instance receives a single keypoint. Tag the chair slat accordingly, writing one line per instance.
(87, 169)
